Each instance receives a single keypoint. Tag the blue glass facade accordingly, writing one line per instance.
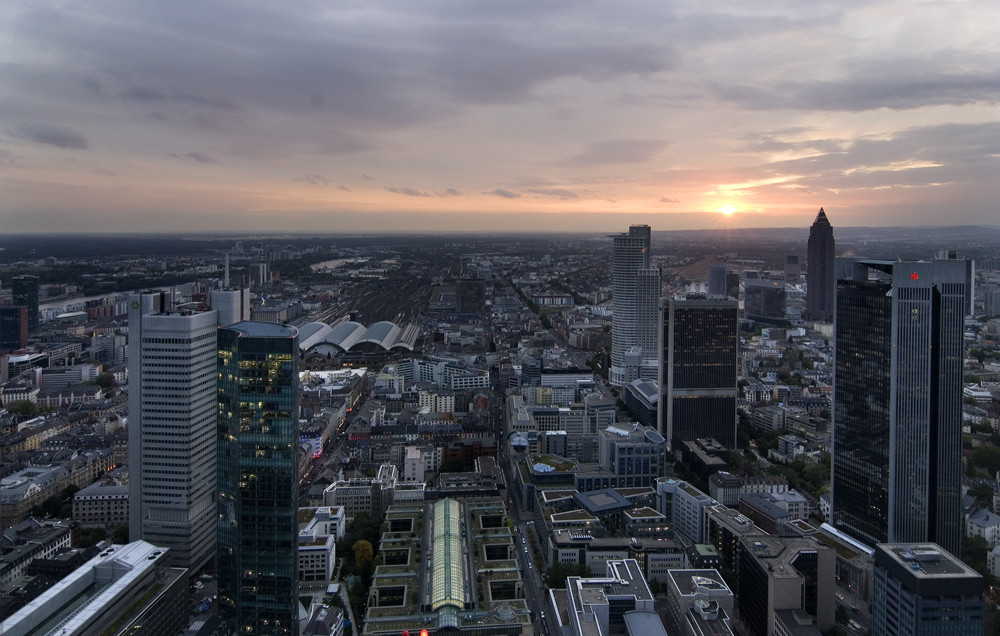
(258, 470)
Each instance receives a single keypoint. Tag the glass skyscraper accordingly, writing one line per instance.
(897, 405)
(698, 364)
(635, 300)
(258, 486)
(24, 292)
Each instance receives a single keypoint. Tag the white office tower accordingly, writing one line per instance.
(233, 305)
(172, 428)
(636, 290)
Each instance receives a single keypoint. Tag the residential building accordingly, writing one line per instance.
(101, 505)
(258, 530)
(897, 401)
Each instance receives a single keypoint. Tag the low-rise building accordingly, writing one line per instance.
(101, 505)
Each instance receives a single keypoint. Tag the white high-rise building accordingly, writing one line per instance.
(233, 305)
(173, 408)
(636, 289)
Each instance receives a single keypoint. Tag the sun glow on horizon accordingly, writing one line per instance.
(728, 210)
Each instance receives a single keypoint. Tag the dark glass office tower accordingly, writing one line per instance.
(820, 278)
(25, 292)
(897, 406)
(258, 486)
(13, 327)
(698, 382)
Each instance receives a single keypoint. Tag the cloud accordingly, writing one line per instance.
(885, 89)
(93, 86)
(314, 179)
(554, 192)
(666, 200)
(507, 194)
(147, 94)
(200, 157)
(410, 192)
(58, 136)
(614, 152)
(452, 192)
(344, 188)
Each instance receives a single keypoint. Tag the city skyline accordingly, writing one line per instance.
(512, 117)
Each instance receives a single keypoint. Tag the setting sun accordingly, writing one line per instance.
(728, 210)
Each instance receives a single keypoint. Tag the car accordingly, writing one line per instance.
(530, 565)
(541, 615)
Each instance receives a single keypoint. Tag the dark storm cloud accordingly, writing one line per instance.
(507, 194)
(615, 152)
(410, 192)
(58, 136)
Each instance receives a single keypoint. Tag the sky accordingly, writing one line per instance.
(484, 116)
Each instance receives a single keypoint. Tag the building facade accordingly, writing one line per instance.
(257, 559)
(821, 277)
(897, 406)
(171, 425)
(25, 293)
(13, 327)
(698, 371)
(630, 256)
(920, 590)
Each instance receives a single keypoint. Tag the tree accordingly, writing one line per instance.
(555, 576)
(987, 457)
(23, 407)
(90, 536)
(120, 535)
(974, 551)
(105, 381)
(983, 494)
(363, 553)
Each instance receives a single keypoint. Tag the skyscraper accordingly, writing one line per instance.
(820, 276)
(25, 292)
(172, 428)
(698, 382)
(897, 401)
(258, 477)
(630, 256)
(13, 327)
(233, 305)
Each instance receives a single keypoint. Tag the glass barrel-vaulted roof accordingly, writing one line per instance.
(447, 573)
